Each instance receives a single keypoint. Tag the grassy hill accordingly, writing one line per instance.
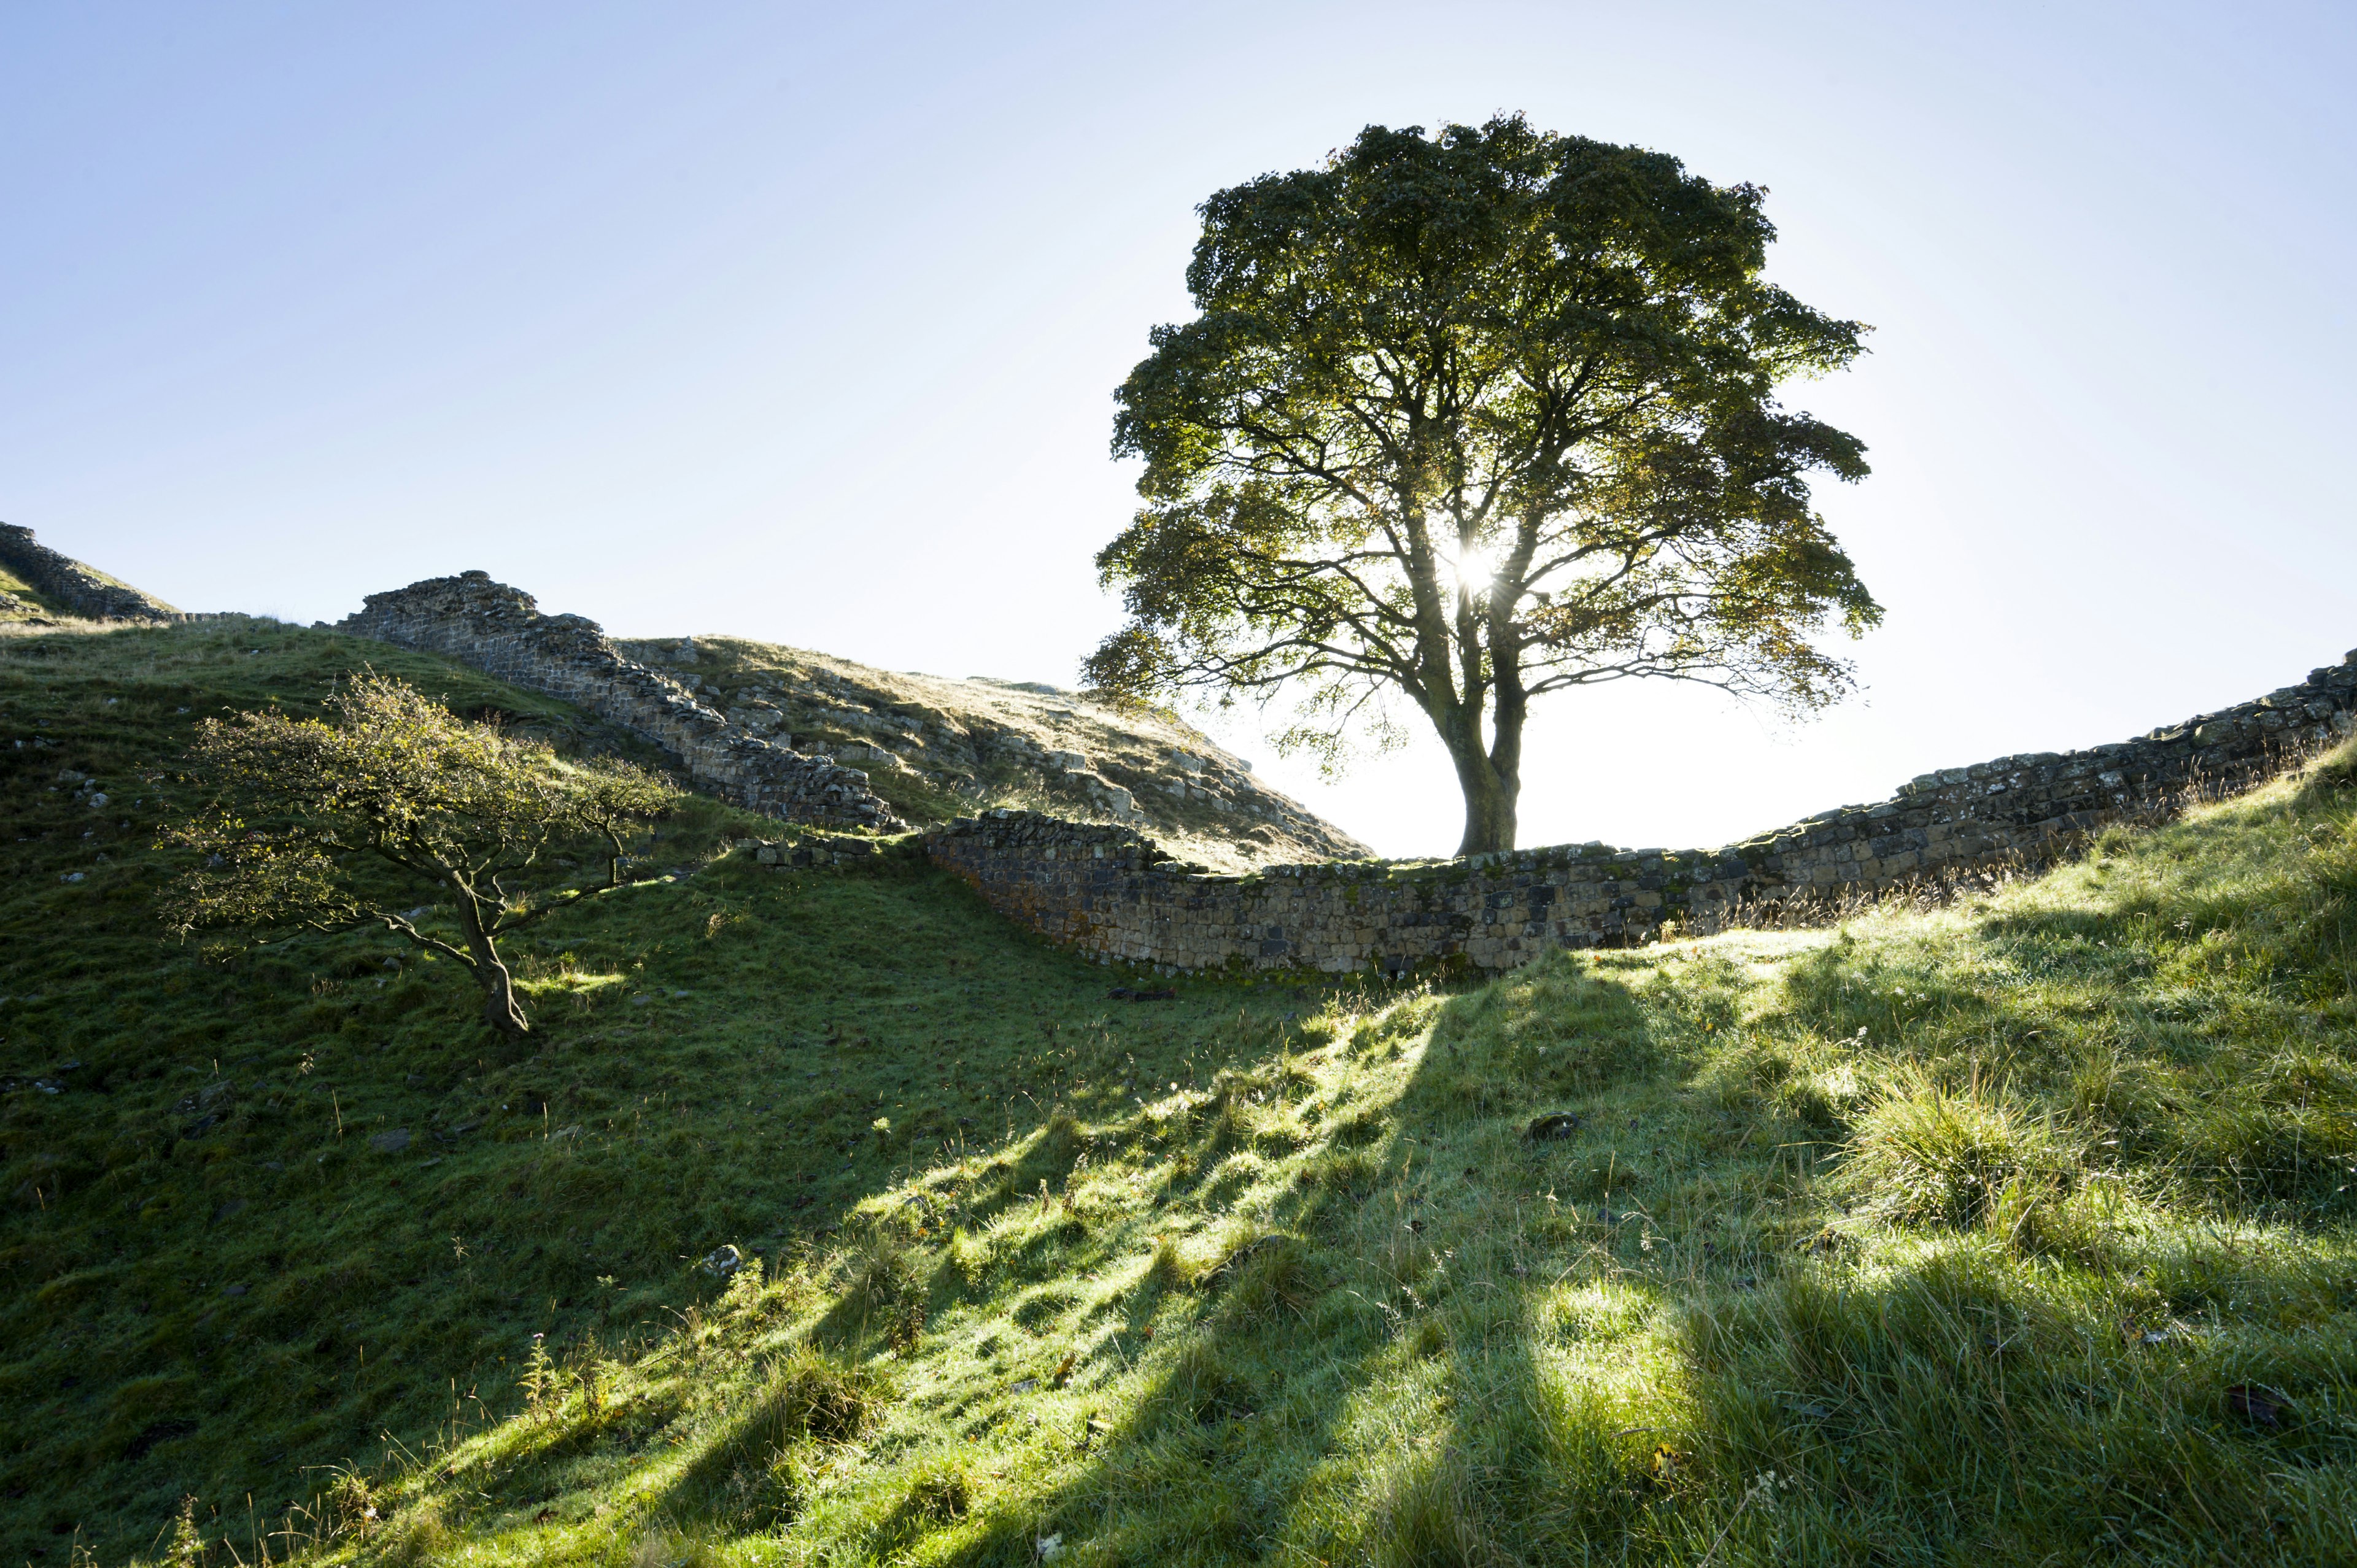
(215, 1279)
(21, 602)
(2020, 1232)
(936, 748)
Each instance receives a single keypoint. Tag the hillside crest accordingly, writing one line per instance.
(775, 729)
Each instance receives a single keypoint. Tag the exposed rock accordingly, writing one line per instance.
(392, 1142)
(212, 1097)
(771, 728)
(66, 581)
(500, 631)
(16, 606)
(937, 748)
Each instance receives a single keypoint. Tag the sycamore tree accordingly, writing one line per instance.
(308, 825)
(1472, 417)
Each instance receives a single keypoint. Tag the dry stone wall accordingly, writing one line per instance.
(500, 630)
(73, 585)
(1111, 892)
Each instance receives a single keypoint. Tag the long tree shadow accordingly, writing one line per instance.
(1373, 1267)
(1719, 1378)
(1581, 1286)
(1553, 1275)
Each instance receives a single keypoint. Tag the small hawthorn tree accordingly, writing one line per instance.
(1470, 418)
(315, 826)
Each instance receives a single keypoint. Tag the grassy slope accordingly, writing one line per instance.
(2019, 1232)
(961, 760)
(2015, 1233)
(12, 583)
(213, 1309)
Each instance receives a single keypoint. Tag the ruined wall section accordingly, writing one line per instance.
(70, 582)
(500, 630)
(1111, 892)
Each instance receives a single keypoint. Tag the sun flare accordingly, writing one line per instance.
(1472, 569)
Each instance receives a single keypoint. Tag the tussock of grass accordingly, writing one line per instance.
(747, 1471)
(1927, 1152)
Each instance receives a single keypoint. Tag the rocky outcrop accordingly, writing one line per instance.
(68, 582)
(1114, 893)
(938, 747)
(771, 729)
(500, 630)
(16, 606)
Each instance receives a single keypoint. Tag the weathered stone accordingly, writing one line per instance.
(500, 630)
(73, 585)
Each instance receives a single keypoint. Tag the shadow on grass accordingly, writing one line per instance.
(1338, 1282)
(1962, 1396)
(1662, 1336)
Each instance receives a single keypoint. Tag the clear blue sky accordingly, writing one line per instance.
(802, 323)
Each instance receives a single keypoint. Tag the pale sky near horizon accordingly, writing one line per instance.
(801, 323)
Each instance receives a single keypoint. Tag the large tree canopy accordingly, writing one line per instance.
(334, 827)
(1469, 418)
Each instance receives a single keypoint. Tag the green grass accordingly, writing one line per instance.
(2016, 1232)
(982, 744)
(216, 1284)
(10, 583)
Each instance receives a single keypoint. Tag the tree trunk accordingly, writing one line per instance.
(1491, 792)
(500, 1009)
(1490, 802)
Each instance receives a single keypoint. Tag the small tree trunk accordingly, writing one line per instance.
(500, 1009)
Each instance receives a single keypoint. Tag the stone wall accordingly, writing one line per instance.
(1111, 892)
(73, 585)
(500, 630)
